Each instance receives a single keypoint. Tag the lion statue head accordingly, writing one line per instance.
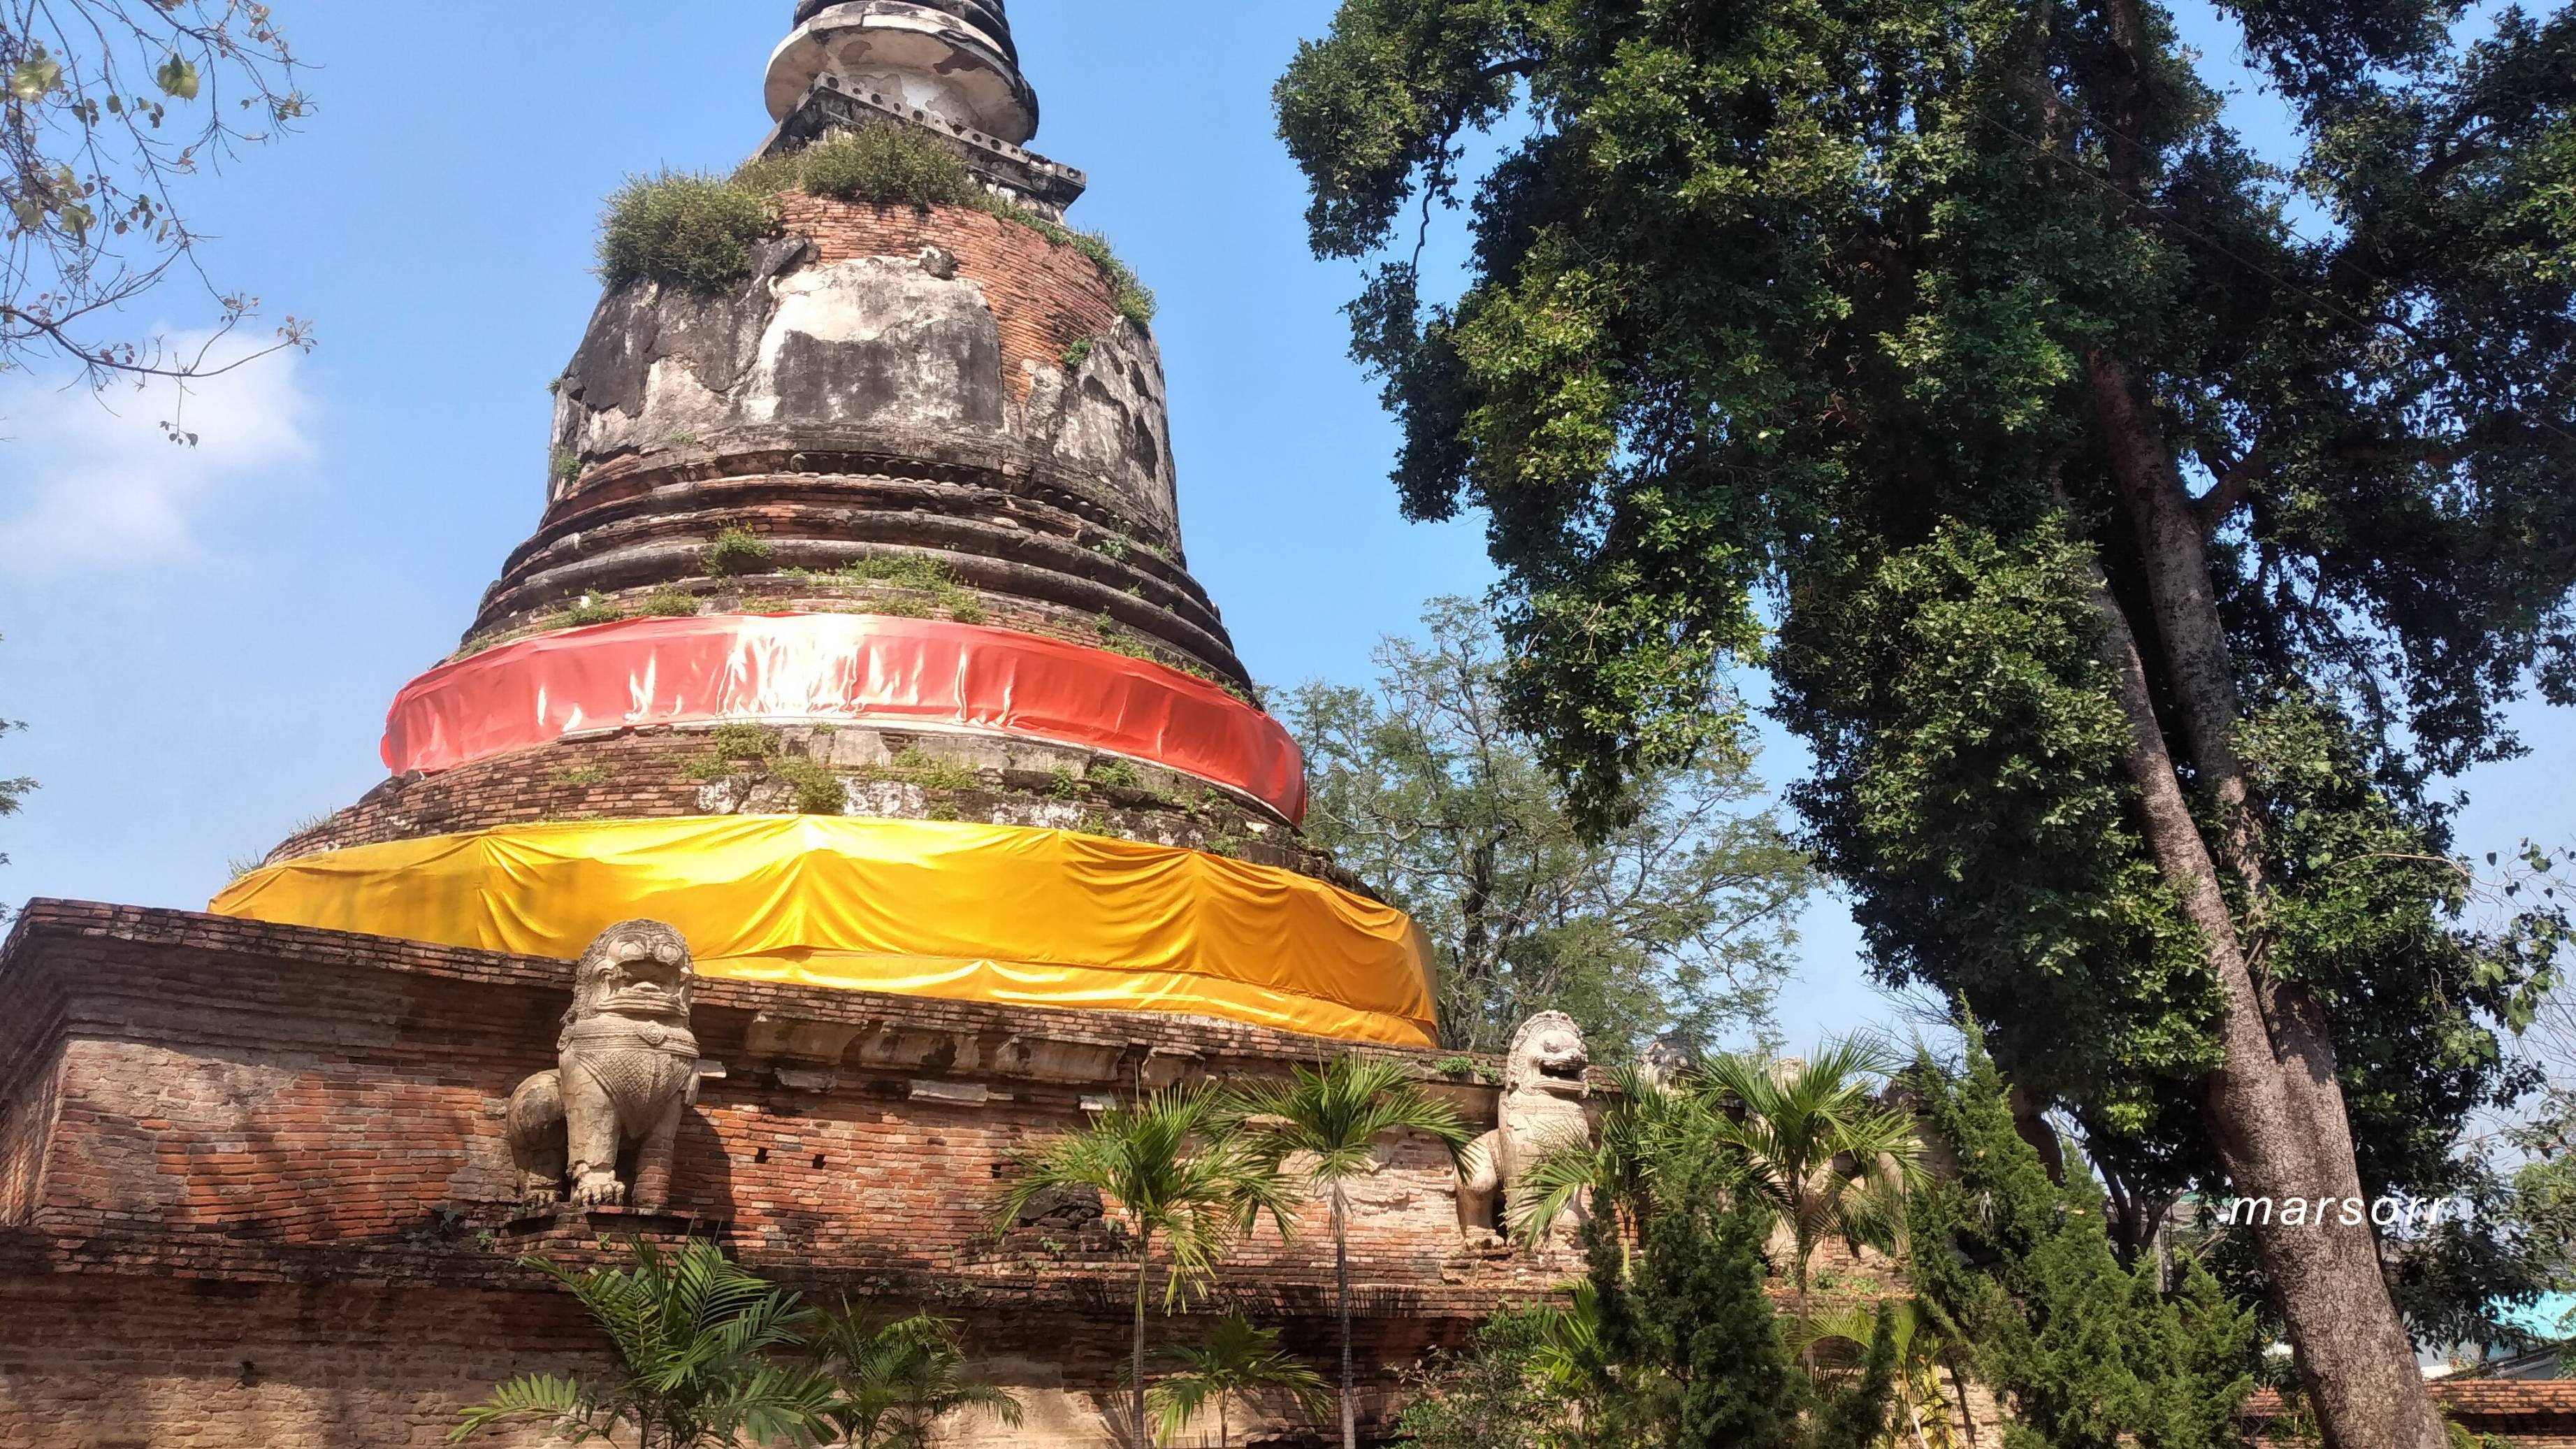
(1666, 1061)
(1547, 1056)
(634, 968)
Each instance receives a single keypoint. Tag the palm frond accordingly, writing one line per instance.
(562, 1400)
(1553, 1186)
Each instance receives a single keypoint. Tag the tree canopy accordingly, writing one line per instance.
(107, 107)
(1678, 921)
(2139, 530)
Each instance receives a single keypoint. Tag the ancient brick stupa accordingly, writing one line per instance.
(857, 645)
(856, 640)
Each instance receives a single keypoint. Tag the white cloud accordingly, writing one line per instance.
(91, 478)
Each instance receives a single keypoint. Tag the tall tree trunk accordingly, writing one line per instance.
(2275, 1110)
(1342, 1298)
(1144, 1260)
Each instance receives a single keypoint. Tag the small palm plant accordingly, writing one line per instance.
(899, 1380)
(1170, 1168)
(1645, 1130)
(1840, 1342)
(1816, 1148)
(1236, 1358)
(694, 1336)
(1330, 1117)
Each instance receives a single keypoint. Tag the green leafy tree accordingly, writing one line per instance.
(899, 1380)
(1235, 1358)
(1677, 921)
(1171, 1170)
(2088, 1354)
(106, 108)
(1326, 1121)
(694, 1337)
(2140, 564)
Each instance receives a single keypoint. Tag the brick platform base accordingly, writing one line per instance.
(254, 1191)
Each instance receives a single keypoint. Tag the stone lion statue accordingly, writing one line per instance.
(626, 1069)
(1666, 1062)
(1542, 1109)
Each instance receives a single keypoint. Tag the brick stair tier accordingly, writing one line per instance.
(967, 441)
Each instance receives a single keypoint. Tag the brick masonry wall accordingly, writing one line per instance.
(2526, 1413)
(245, 1105)
(1046, 297)
(158, 1363)
(26, 1125)
(283, 1148)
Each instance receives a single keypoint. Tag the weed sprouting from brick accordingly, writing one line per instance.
(744, 742)
(682, 229)
(921, 586)
(818, 790)
(737, 550)
(697, 230)
(590, 609)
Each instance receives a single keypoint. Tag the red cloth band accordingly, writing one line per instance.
(838, 667)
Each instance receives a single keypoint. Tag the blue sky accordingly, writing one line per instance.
(203, 643)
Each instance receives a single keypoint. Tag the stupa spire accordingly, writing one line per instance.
(950, 58)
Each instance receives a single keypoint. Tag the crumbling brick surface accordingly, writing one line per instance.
(1046, 297)
(284, 1147)
(275, 1205)
(661, 772)
(231, 1090)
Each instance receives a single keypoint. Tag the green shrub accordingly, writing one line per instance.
(564, 467)
(818, 790)
(888, 164)
(910, 573)
(670, 604)
(743, 742)
(1078, 351)
(689, 229)
(583, 776)
(915, 767)
(682, 229)
(738, 551)
(591, 609)
(1116, 774)
(770, 175)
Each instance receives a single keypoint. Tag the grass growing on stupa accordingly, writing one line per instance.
(696, 229)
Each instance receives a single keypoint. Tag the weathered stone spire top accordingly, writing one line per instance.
(951, 58)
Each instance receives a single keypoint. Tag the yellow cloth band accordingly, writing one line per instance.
(931, 908)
